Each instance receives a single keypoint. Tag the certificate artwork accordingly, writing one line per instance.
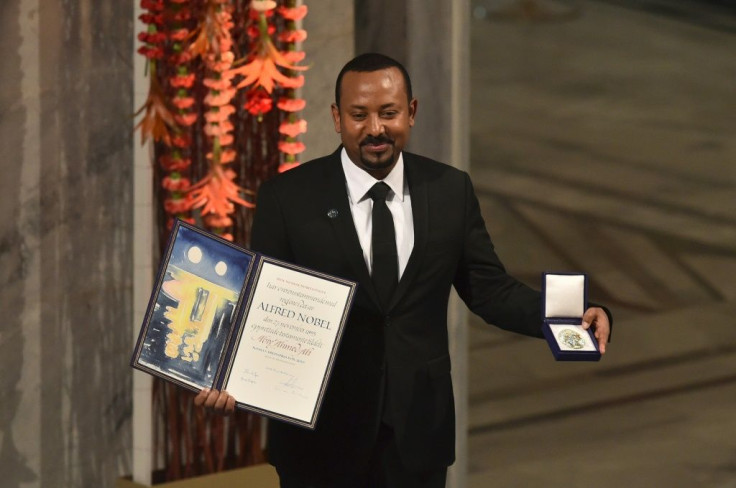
(194, 308)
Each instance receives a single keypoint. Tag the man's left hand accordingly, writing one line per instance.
(597, 318)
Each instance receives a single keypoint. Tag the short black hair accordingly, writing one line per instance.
(369, 62)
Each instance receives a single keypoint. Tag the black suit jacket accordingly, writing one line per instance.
(392, 363)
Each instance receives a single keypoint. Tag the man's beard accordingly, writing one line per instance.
(372, 164)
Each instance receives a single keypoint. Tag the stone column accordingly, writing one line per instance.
(431, 37)
(329, 46)
(65, 242)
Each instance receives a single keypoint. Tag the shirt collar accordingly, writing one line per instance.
(360, 181)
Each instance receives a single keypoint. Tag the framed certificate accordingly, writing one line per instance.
(224, 317)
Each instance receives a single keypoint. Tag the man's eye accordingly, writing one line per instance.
(389, 115)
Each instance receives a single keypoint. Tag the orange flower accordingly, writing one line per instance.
(219, 99)
(296, 35)
(182, 81)
(175, 184)
(228, 156)
(219, 114)
(177, 205)
(157, 118)
(293, 56)
(170, 163)
(217, 193)
(294, 82)
(296, 13)
(217, 84)
(226, 139)
(291, 104)
(186, 119)
(182, 102)
(291, 147)
(262, 69)
(293, 129)
(220, 129)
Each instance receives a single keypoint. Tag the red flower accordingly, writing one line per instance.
(151, 52)
(258, 102)
(149, 18)
(157, 5)
(181, 140)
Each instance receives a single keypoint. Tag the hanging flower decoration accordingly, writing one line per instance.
(217, 193)
(218, 127)
(263, 71)
(175, 158)
(157, 119)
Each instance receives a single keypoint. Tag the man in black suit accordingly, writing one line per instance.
(388, 415)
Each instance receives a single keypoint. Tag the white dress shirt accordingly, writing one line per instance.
(398, 201)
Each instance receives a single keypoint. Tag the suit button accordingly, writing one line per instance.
(387, 320)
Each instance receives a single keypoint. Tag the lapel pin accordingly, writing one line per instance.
(332, 213)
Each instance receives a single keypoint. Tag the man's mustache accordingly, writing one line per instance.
(376, 140)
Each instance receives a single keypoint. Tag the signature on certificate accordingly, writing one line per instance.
(249, 376)
(288, 383)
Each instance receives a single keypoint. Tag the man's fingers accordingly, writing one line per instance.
(230, 406)
(201, 397)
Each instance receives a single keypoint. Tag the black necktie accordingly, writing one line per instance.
(383, 241)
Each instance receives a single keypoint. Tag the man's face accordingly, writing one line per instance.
(374, 119)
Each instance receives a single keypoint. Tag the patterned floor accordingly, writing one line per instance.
(603, 142)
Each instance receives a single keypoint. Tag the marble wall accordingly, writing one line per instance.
(65, 246)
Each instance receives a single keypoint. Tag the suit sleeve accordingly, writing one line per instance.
(483, 284)
(269, 234)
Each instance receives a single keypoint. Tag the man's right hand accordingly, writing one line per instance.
(219, 402)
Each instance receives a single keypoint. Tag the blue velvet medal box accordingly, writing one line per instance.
(564, 300)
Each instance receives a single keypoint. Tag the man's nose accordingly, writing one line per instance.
(375, 126)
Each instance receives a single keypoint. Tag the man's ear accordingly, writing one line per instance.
(412, 111)
(336, 117)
